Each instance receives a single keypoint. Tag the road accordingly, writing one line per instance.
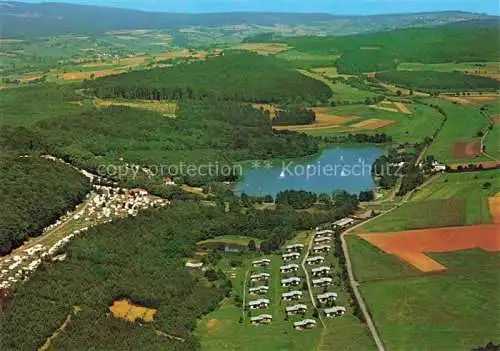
(352, 281)
(308, 280)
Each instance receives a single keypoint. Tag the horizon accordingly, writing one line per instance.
(331, 7)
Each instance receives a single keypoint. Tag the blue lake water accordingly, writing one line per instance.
(347, 168)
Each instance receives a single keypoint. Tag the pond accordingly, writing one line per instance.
(347, 168)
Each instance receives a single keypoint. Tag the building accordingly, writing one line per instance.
(293, 281)
(343, 223)
(334, 311)
(322, 239)
(289, 268)
(305, 324)
(326, 297)
(297, 309)
(261, 319)
(291, 295)
(291, 256)
(315, 260)
(260, 303)
(294, 248)
(322, 282)
(262, 263)
(260, 277)
(320, 271)
(326, 232)
(258, 290)
(193, 264)
(321, 248)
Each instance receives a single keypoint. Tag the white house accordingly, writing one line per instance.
(260, 303)
(320, 271)
(321, 248)
(294, 248)
(261, 319)
(261, 263)
(334, 311)
(344, 222)
(291, 295)
(322, 239)
(326, 232)
(293, 281)
(259, 290)
(305, 324)
(315, 260)
(328, 296)
(194, 264)
(297, 309)
(291, 256)
(260, 277)
(289, 268)
(325, 281)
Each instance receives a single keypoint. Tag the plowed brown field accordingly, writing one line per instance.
(411, 246)
(465, 149)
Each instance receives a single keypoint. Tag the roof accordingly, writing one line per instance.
(326, 231)
(315, 258)
(288, 266)
(304, 322)
(260, 275)
(327, 295)
(291, 293)
(259, 301)
(291, 254)
(319, 269)
(344, 221)
(261, 317)
(334, 309)
(296, 307)
(262, 261)
(322, 238)
(292, 279)
(320, 247)
(294, 245)
(321, 280)
(257, 288)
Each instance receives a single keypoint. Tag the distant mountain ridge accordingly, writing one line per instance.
(46, 19)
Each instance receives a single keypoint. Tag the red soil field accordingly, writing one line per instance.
(464, 149)
(484, 165)
(411, 246)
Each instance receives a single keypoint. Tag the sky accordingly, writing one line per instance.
(340, 7)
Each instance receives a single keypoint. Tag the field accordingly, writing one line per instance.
(467, 150)
(402, 127)
(124, 309)
(262, 48)
(167, 109)
(484, 69)
(412, 246)
(324, 120)
(463, 125)
(305, 60)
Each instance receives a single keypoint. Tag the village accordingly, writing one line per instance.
(102, 205)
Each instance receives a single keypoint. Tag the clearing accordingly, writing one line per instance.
(126, 310)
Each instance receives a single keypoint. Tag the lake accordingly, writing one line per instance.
(347, 168)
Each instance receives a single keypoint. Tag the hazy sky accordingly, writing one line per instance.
(354, 7)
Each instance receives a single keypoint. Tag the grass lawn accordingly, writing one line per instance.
(492, 141)
(463, 124)
(370, 263)
(448, 311)
(481, 68)
(231, 240)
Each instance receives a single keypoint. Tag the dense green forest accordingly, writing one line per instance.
(384, 50)
(204, 133)
(452, 82)
(293, 116)
(34, 193)
(234, 76)
(100, 261)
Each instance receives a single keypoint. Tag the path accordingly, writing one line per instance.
(308, 280)
(352, 281)
(245, 295)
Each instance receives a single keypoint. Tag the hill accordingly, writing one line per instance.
(46, 19)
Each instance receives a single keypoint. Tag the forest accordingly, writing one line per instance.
(384, 50)
(158, 240)
(294, 116)
(34, 193)
(205, 133)
(234, 76)
(434, 82)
